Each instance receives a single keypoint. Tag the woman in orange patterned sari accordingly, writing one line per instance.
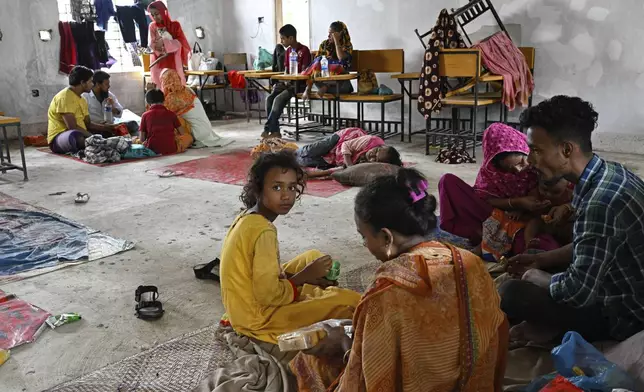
(430, 321)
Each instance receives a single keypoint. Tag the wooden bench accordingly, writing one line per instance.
(391, 61)
(5, 157)
(378, 61)
(460, 63)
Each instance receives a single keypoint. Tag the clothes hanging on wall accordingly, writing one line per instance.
(432, 86)
(103, 51)
(67, 48)
(86, 47)
(501, 57)
(104, 11)
(127, 16)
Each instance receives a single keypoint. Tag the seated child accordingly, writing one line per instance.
(347, 147)
(501, 228)
(158, 124)
(555, 222)
(264, 299)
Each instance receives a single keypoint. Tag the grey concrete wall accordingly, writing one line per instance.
(590, 48)
(26, 63)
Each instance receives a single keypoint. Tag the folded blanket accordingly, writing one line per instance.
(259, 367)
(101, 150)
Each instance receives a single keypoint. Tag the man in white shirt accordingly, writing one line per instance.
(98, 96)
(101, 94)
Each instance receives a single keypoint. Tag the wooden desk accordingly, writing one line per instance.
(261, 75)
(295, 79)
(407, 76)
(336, 78)
(5, 160)
(253, 79)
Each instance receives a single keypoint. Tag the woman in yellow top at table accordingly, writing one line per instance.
(264, 299)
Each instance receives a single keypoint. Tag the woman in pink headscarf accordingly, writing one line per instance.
(503, 182)
(168, 43)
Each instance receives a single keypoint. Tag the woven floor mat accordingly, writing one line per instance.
(181, 363)
(177, 365)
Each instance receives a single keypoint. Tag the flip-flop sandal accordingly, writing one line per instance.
(171, 173)
(204, 271)
(147, 305)
(81, 198)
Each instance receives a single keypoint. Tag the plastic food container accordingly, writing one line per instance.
(308, 337)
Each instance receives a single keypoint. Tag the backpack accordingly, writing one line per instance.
(367, 82)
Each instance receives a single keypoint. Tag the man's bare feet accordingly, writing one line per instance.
(529, 333)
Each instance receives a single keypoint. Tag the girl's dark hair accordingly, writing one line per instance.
(387, 202)
(393, 156)
(255, 183)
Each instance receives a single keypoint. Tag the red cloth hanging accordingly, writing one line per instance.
(68, 57)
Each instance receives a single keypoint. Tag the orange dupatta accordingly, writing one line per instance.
(430, 322)
(178, 98)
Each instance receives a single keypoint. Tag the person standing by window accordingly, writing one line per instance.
(168, 42)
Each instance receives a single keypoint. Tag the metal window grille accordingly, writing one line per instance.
(125, 54)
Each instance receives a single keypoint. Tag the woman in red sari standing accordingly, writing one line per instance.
(166, 39)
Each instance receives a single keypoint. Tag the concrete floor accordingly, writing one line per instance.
(176, 223)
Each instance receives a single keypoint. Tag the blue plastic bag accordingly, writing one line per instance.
(586, 367)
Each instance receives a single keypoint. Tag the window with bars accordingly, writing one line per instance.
(125, 54)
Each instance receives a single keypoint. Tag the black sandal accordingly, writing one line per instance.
(204, 271)
(147, 307)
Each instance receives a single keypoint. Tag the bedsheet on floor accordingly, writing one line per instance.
(34, 241)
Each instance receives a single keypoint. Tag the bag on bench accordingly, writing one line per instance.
(367, 82)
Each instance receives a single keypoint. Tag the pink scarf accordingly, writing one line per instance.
(493, 182)
(502, 57)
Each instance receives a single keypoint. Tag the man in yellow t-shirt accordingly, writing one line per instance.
(68, 115)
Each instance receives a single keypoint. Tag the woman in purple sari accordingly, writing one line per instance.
(503, 182)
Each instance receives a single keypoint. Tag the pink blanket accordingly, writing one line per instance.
(502, 57)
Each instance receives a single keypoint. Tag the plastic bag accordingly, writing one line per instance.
(264, 60)
(308, 337)
(196, 56)
(20, 321)
(560, 384)
(586, 367)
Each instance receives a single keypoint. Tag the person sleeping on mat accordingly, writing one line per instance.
(346, 148)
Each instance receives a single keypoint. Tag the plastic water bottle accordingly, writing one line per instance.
(324, 65)
(292, 62)
(107, 113)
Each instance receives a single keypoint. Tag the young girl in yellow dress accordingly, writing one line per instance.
(264, 299)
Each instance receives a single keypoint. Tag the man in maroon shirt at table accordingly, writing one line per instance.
(282, 92)
(158, 125)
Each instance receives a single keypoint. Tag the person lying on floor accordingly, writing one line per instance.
(509, 233)
(264, 299)
(600, 294)
(160, 127)
(68, 120)
(419, 319)
(282, 92)
(338, 50)
(347, 147)
(101, 95)
(504, 182)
